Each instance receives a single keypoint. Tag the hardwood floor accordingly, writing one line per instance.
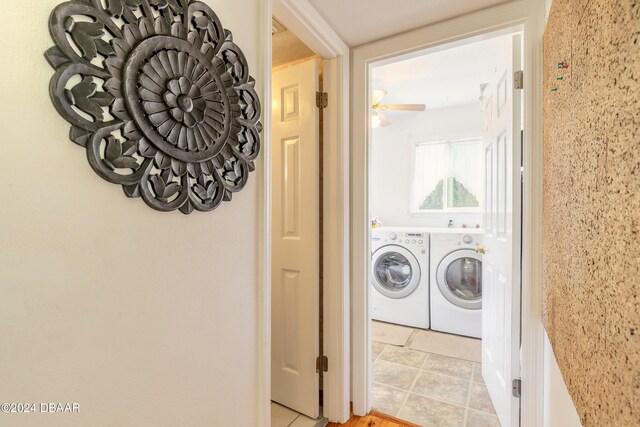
(374, 419)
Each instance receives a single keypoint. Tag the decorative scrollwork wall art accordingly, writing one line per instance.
(159, 95)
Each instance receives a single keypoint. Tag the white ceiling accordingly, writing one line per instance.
(441, 79)
(362, 21)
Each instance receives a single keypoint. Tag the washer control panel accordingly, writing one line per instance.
(402, 238)
(416, 239)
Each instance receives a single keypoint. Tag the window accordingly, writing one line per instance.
(448, 176)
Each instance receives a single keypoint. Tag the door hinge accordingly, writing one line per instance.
(322, 100)
(322, 364)
(518, 80)
(516, 387)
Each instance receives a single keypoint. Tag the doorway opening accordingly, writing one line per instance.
(445, 203)
(297, 243)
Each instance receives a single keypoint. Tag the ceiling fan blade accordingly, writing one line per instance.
(404, 107)
(377, 96)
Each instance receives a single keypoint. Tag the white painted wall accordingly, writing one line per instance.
(559, 410)
(547, 8)
(143, 318)
(391, 170)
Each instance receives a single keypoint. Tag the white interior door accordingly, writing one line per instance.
(295, 246)
(501, 262)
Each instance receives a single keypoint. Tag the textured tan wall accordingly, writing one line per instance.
(592, 205)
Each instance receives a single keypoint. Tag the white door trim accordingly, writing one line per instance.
(336, 313)
(300, 17)
(264, 249)
(529, 14)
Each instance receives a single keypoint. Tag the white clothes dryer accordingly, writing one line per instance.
(400, 276)
(456, 283)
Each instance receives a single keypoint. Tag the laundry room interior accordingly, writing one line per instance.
(438, 185)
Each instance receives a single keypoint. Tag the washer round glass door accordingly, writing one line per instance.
(395, 271)
(459, 278)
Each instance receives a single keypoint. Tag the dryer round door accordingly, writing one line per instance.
(395, 271)
(459, 278)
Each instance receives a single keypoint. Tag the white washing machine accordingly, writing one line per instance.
(456, 283)
(400, 276)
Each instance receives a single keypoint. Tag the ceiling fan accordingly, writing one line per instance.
(379, 119)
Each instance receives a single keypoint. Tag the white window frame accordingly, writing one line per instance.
(413, 210)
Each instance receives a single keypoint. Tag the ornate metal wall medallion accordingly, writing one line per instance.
(160, 96)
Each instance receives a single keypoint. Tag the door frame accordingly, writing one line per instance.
(300, 17)
(529, 16)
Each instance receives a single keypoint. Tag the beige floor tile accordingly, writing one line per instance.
(389, 333)
(412, 337)
(442, 387)
(480, 398)
(393, 374)
(281, 416)
(448, 366)
(477, 373)
(376, 349)
(403, 356)
(448, 345)
(304, 421)
(481, 419)
(387, 400)
(427, 412)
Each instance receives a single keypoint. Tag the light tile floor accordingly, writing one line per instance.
(429, 389)
(281, 416)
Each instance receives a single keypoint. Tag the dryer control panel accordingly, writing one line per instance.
(469, 240)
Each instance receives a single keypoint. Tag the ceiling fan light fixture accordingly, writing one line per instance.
(377, 95)
(375, 121)
(380, 120)
(384, 121)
